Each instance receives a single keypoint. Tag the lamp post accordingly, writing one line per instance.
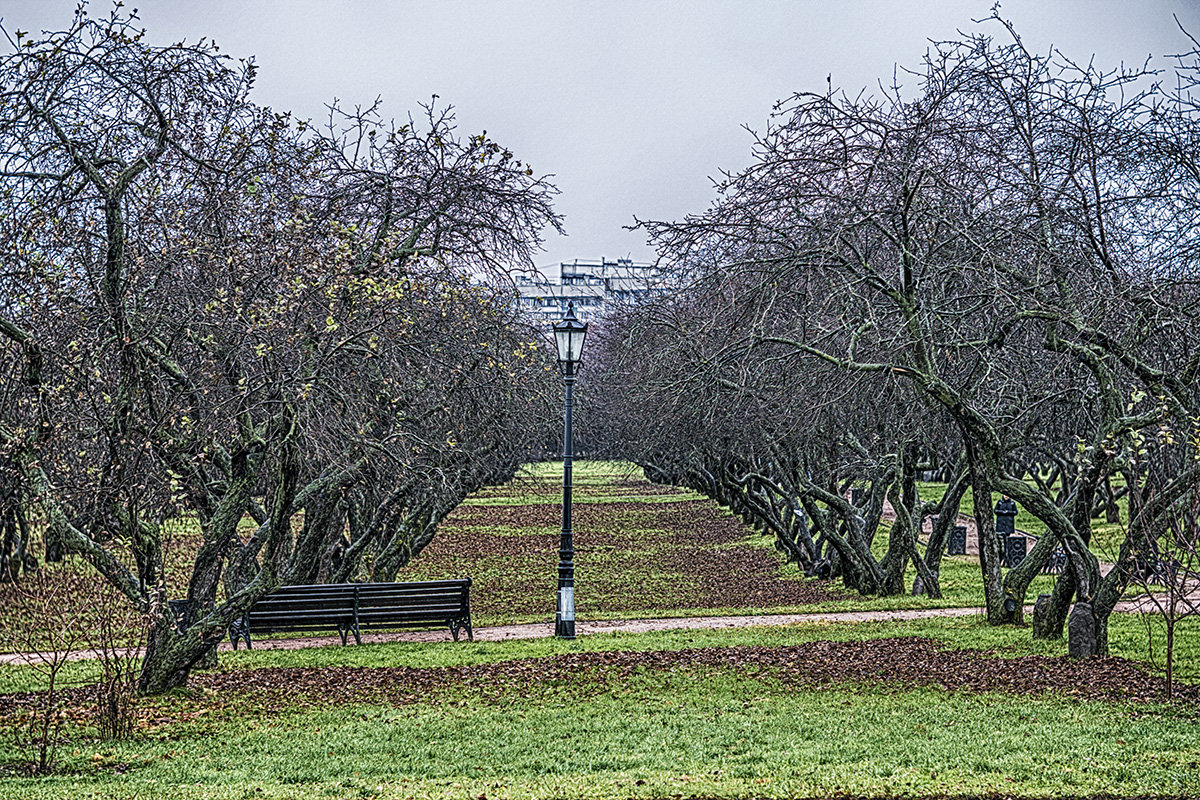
(569, 333)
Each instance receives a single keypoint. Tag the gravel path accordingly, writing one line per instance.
(538, 630)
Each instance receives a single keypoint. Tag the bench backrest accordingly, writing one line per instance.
(361, 605)
(414, 603)
(303, 607)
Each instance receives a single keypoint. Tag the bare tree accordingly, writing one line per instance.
(216, 311)
(996, 253)
(1161, 556)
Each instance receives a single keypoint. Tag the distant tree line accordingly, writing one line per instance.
(209, 309)
(993, 275)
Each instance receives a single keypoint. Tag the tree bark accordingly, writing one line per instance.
(989, 547)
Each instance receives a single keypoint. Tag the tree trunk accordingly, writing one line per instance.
(1170, 619)
(947, 511)
(324, 518)
(901, 542)
(171, 655)
(1112, 511)
(989, 547)
(1081, 631)
(1060, 603)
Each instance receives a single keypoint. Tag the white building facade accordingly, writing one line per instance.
(590, 285)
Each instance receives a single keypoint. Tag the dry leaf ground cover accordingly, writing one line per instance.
(928, 708)
(640, 549)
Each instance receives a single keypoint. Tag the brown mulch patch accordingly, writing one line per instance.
(639, 487)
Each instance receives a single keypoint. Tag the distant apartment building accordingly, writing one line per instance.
(589, 284)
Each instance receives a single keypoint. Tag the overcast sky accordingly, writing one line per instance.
(632, 106)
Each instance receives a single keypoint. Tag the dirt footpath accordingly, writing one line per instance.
(537, 630)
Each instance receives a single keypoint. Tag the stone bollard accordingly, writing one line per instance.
(956, 545)
(1081, 631)
(1014, 551)
(1041, 617)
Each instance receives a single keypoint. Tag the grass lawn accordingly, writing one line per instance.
(1106, 536)
(602, 724)
(712, 737)
(933, 707)
(641, 550)
(644, 551)
(589, 719)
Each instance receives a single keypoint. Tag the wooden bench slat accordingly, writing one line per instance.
(301, 605)
(413, 595)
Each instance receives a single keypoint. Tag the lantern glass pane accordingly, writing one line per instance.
(570, 342)
(569, 333)
(577, 342)
(562, 339)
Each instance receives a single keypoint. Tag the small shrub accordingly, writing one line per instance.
(118, 636)
(44, 628)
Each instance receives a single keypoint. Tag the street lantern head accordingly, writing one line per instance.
(569, 333)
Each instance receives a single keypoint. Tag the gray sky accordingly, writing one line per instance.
(631, 105)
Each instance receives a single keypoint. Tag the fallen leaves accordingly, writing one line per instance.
(630, 556)
(898, 663)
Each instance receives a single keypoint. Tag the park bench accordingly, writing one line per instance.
(350, 608)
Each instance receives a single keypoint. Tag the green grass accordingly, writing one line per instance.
(713, 738)
(581, 496)
(633, 577)
(628, 581)
(1106, 536)
(592, 482)
(659, 733)
(1025, 521)
(606, 575)
(701, 732)
(635, 552)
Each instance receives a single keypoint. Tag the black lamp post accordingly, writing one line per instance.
(569, 333)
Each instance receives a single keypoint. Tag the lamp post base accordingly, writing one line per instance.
(564, 620)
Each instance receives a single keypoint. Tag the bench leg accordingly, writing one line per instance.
(345, 630)
(458, 624)
(237, 631)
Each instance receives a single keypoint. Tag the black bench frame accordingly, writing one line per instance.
(350, 608)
